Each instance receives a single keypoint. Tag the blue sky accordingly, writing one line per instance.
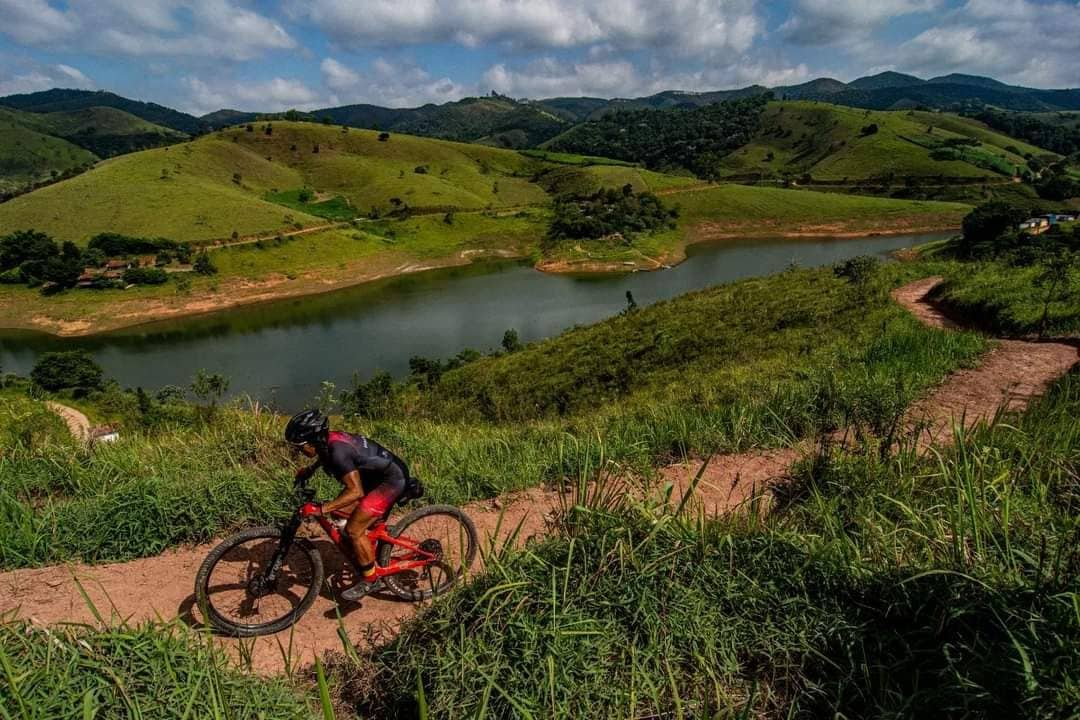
(202, 55)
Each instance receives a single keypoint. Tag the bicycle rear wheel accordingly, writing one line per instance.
(442, 530)
(231, 593)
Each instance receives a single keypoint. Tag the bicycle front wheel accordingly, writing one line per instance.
(442, 530)
(233, 595)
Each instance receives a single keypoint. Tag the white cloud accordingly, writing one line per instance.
(198, 28)
(34, 21)
(272, 95)
(679, 26)
(26, 77)
(825, 22)
(1016, 41)
(390, 84)
(547, 77)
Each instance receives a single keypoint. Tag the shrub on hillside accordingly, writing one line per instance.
(204, 265)
(67, 370)
(145, 276)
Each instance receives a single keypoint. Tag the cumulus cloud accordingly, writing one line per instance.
(384, 82)
(548, 77)
(272, 95)
(1018, 41)
(200, 28)
(26, 76)
(682, 26)
(825, 22)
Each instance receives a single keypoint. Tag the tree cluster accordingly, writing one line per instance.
(693, 139)
(1060, 138)
(607, 213)
(32, 257)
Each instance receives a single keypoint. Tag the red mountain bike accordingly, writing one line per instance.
(262, 580)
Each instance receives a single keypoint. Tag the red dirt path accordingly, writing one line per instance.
(161, 587)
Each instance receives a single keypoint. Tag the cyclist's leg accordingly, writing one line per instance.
(373, 506)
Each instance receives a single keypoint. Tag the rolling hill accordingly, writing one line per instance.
(222, 183)
(835, 143)
(29, 156)
(491, 120)
(37, 147)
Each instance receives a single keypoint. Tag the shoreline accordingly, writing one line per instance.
(670, 260)
(204, 306)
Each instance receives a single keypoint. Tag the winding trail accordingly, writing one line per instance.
(160, 587)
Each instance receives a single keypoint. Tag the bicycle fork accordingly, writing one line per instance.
(288, 534)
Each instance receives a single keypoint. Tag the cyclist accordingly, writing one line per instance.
(373, 477)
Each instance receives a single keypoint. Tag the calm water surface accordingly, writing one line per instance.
(279, 352)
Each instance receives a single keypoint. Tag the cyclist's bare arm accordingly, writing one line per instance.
(350, 495)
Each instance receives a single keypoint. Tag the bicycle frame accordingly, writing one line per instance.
(376, 534)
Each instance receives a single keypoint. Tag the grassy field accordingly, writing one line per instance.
(793, 354)
(828, 142)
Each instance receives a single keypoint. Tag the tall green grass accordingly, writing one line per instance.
(123, 671)
(940, 585)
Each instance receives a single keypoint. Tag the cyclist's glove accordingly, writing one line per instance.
(311, 509)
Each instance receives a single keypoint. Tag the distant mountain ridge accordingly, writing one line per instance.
(506, 122)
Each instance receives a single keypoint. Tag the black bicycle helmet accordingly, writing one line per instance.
(309, 426)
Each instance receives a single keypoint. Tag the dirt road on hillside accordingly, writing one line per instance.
(161, 587)
(77, 423)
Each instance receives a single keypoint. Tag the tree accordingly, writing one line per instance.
(985, 224)
(870, 129)
(304, 195)
(631, 304)
(204, 265)
(208, 388)
(62, 370)
(510, 341)
(384, 136)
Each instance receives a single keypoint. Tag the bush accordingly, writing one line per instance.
(870, 129)
(204, 265)
(62, 370)
(145, 276)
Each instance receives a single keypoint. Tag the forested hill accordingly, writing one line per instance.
(693, 139)
(490, 120)
(60, 100)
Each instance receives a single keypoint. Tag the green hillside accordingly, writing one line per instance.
(220, 183)
(36, 147)
(835, 143)
(28, 156)
(105, 131)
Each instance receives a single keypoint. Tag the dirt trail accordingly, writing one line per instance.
(77, 423)
(161, 586)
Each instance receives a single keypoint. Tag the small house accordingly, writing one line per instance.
(1035, 225)
(116, 264)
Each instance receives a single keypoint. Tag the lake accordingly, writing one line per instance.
(280, 351)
